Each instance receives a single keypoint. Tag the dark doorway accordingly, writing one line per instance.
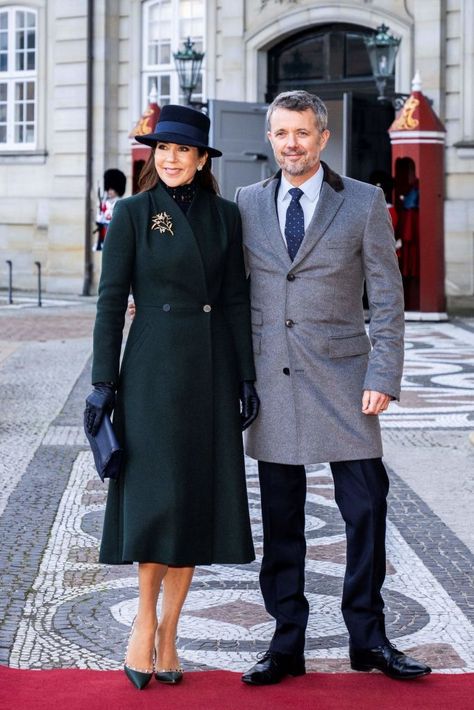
(332, 61)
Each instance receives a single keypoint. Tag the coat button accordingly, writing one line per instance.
(290, 277)
(289, 323)
(166, 307)
(207, 308)
(286, 370)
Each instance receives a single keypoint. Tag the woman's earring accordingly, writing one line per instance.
(199, 168)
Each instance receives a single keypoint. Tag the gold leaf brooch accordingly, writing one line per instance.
(162, 222)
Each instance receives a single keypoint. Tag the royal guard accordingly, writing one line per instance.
(114, 188)
(407, 231)
(417, 137)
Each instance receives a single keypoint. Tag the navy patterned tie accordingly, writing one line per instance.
(294, 225)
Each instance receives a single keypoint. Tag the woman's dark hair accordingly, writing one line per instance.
(149, 177)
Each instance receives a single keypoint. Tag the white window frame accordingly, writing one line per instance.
(11, 77)
(153, 70)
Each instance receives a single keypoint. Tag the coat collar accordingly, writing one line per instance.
(330, 176)
(330, 200)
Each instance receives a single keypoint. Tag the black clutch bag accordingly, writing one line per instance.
(106, 449)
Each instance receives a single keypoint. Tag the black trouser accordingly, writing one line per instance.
(361, 489)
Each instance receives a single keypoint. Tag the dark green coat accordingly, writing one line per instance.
(181, 498)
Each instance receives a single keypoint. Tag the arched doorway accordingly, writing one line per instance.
(331, 61)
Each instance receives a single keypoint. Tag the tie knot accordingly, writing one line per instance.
(296, 193)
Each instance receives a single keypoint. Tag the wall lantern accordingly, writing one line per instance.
(188, 65)
(382, 49)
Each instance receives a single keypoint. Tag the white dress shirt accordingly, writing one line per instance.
(308, 201)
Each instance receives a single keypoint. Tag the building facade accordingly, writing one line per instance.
(75, 76)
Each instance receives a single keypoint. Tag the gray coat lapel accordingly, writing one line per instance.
(268, 216)
(328, 205)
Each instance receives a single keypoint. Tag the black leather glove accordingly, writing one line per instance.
(100, 401)
(250, 403)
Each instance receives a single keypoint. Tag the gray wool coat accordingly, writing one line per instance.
(313, 357)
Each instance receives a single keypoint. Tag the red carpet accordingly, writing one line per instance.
(222, 690)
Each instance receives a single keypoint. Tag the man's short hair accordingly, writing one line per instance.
(300, 101)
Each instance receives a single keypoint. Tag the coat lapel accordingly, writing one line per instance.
(183, 235)
(208, 231)
(267, 211)
(328, 205)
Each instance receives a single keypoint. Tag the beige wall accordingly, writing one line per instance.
(42, 195)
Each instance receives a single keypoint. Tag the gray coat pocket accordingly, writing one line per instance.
(347, 345)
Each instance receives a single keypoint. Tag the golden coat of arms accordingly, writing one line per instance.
(162, 222)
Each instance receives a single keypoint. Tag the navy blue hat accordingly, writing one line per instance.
(182, 125)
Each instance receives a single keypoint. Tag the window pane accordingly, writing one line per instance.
(165, 84)
(192, 28)
(18, 44)
(24, 112)
(25, 38)
(357, 57)
(165, 57)
(304, 60)
(160, 11)
(162, 82)
(3, 41)
(151, 83)
(191, 8)
(153, 53)
(20, 19)
(20, 40)
(167, 25)
(158, 32)
(335, 48)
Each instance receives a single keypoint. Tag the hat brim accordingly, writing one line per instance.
(151, 139)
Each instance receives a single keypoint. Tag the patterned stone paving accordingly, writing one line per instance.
(62, 609)
(439, 380)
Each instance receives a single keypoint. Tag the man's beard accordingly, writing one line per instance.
(303, 166)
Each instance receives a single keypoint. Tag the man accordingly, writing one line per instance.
(311, 239)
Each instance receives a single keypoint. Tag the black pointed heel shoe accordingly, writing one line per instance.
(170, 676)
(140, 677)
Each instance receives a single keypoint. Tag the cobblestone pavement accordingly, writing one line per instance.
(59, 608)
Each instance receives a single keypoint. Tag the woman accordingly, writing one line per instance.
(181, 498)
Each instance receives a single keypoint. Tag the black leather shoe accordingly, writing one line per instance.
(389, 660)
(273, 667)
